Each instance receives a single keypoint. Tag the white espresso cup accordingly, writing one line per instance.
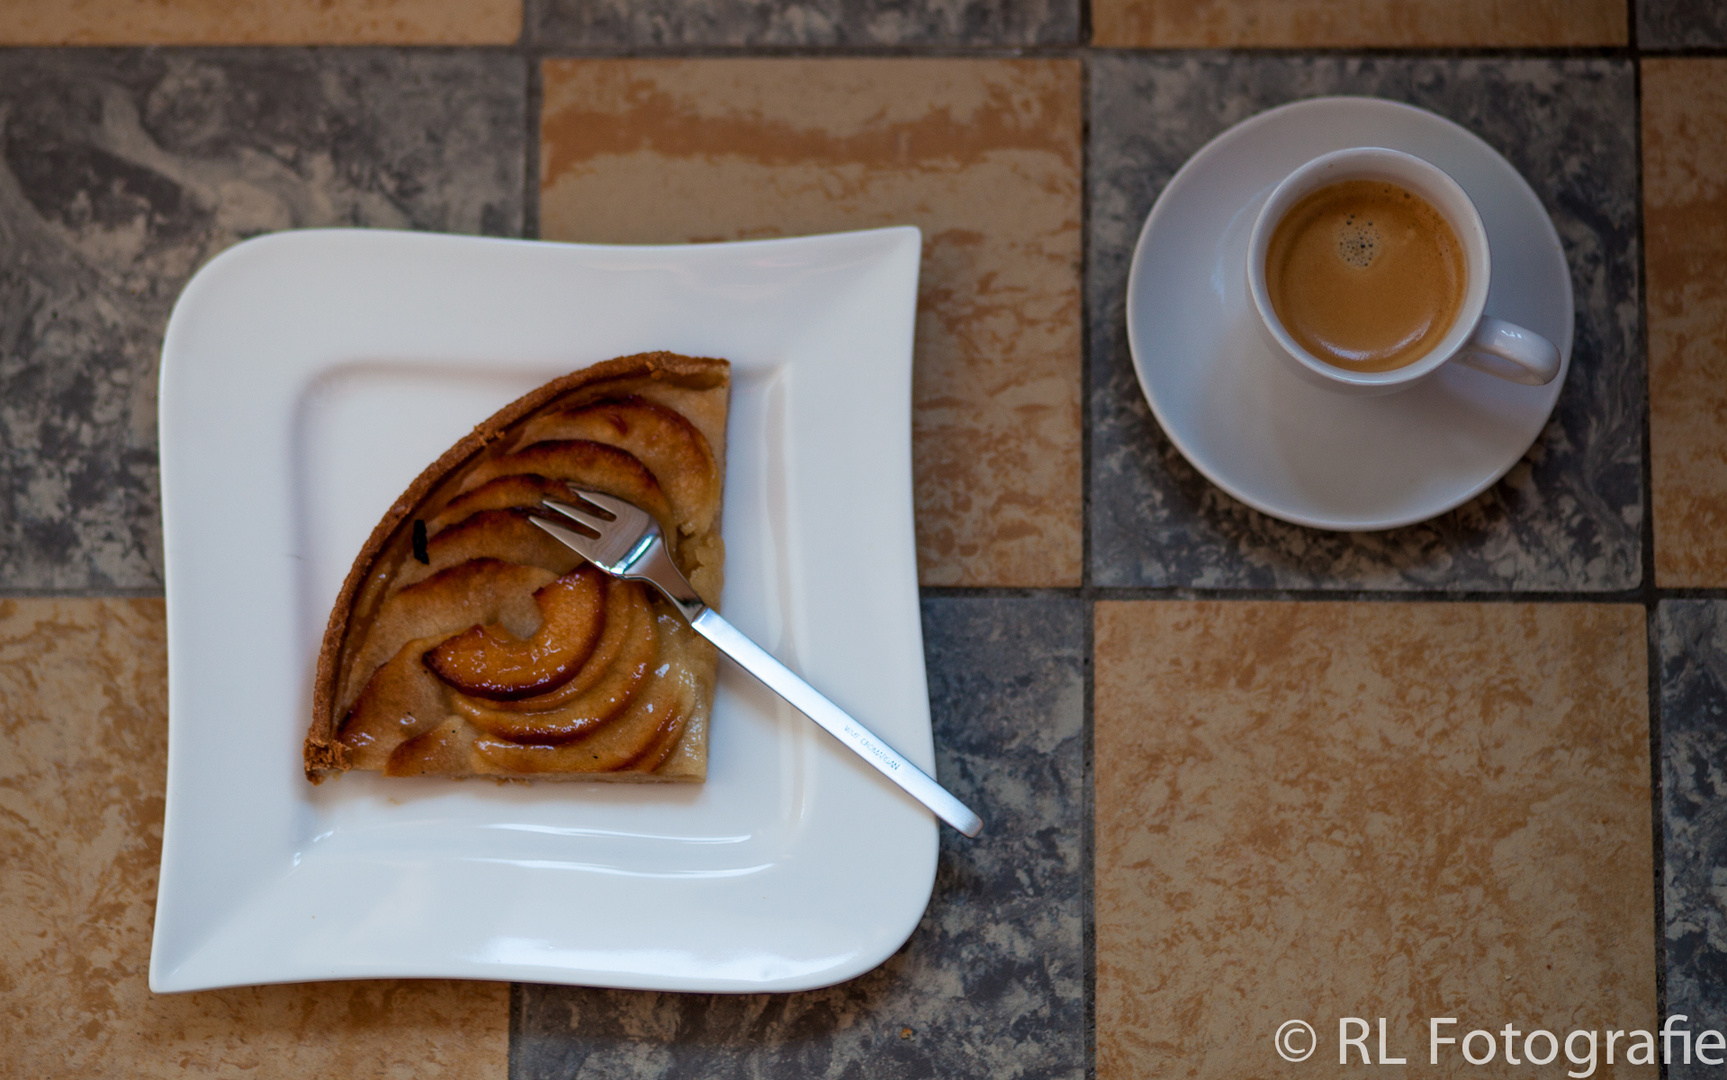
(1474, 339)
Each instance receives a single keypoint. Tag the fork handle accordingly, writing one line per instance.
(836, 721)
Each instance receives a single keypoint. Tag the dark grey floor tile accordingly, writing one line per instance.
(990, 984)
(649, 23)
(122, 172)
(1567, 517)
(1692, 638)
(1679, 24)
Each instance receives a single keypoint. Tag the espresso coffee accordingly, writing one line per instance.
(1365, 275)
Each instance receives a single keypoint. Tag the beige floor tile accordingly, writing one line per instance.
(1317, 810)
(261, 22)
(83, 711)
(983, 155)
(1685, 230)
(1344, 23)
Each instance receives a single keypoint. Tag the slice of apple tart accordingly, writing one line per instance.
(467, 642)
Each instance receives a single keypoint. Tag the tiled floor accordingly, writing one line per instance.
(1236, 772)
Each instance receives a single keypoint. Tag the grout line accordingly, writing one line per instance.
(1685, 52)
(809, 52)
(18, 592)
(535, 97)
(1040, 50)
(1657, 817)
(1085, 342)
(1088, 693)
(1088, 838)
(1388, 596)
(1691, 593)
(1420, 52)
(515, 1032)
(1647, 599)
(1033, 50)
(1093, 594)
(1651, 583)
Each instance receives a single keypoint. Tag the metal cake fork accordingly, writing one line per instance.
(628, 544)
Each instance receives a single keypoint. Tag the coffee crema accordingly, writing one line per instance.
(1365, 274)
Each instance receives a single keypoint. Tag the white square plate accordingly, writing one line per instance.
(307, 377)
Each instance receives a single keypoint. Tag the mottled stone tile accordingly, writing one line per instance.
(991, 982)
(1355, 23)
(1685, 228)
(84, 714)
(1317, 810)
(1679, 24)
(1568, 516)
(635, 24)
(1692, 638)
(983, 155)
(261, 22)
(122, 172)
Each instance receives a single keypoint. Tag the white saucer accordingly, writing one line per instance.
(1300, 452)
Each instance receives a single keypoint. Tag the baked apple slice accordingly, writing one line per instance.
(636, 740)
(401, 701)
(523, 490)
(473, 593)
(615, 672)
(627, 636)
(587, 464)
(507, 534)
(670, 446)
(490, 662)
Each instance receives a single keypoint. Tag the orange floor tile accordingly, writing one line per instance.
(83, 706)
(663, 151)
(1685, 230)
(1351, 23)
(261, 22)
(1318, 810)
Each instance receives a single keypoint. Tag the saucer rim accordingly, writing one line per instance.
(1245, 128)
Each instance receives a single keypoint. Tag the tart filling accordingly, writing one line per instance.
(467, 642)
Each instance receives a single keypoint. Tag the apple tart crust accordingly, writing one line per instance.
(467, 642)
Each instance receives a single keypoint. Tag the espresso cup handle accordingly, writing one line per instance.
(1510, 352)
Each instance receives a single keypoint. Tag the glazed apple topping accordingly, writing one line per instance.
(490, 649)
(490, 662)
